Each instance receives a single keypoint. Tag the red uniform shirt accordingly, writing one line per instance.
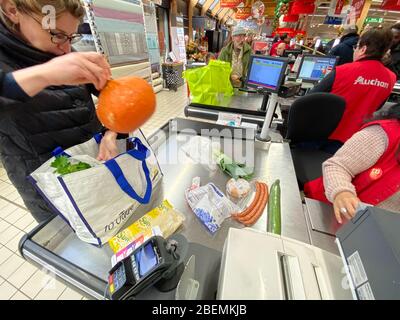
(365, 85)
(274, 46)
(379, 182)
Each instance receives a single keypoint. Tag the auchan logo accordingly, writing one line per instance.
(371, 82)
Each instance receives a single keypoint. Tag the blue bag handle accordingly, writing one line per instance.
(58, 152)
(139, 152)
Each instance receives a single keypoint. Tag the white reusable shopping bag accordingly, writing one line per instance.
(96, 202)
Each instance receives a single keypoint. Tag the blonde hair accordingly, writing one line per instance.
(74, 7)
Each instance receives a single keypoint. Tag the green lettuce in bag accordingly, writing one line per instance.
(233, 169)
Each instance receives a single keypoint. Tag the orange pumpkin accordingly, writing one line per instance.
(126, 104)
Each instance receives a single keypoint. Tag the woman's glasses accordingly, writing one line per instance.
(61, 37)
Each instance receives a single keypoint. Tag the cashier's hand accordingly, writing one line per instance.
(345, 204)
(108, 146)
(77, 68)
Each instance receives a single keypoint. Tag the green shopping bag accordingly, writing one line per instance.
(211, 84)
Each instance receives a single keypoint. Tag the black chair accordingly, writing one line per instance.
(312, 118)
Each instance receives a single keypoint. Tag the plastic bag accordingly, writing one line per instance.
(202, 150)
(235, 170)
(211, 84)
(164, 216)
(211, 206)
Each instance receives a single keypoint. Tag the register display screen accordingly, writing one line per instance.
(316, 68)
(265, 73)
(146, 259)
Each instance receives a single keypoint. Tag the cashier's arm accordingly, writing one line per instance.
(71, 69)
(326, 84)
(361, 152)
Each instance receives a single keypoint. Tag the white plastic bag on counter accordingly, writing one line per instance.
(211, 206)
(202, 150)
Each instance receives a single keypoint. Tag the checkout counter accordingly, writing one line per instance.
(54, 246)
(250, 105)
(303, 263)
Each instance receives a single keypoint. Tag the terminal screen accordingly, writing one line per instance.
(265, 73)
(146, 259)
(316, 68)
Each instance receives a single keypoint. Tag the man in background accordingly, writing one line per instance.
(237, 53)
(283, 39)
(392, 60)
(345, 49)
(280, 49)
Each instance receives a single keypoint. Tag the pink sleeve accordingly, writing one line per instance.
(358, 154)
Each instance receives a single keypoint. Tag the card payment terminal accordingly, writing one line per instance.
(154, 261)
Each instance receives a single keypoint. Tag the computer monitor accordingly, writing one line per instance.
(314, 68)
(293, 52)
(266, 72)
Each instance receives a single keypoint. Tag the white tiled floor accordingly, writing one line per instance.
(20, 280)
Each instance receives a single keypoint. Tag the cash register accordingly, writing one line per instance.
(271, 266)
(313, 68)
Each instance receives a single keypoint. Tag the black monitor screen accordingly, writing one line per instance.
(266, 72)
(315, 68)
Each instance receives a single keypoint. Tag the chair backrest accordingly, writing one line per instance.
(314, 117)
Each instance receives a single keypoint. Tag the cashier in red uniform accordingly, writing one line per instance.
(283, 39)
(365, 84)
(280, 50)
(366, 168)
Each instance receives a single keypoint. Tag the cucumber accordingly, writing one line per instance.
(274, 209)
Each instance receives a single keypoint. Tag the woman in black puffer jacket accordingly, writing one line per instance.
(44, 99)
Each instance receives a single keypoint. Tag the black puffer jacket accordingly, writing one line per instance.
(344, 50)
(394, 64)
(30, 130)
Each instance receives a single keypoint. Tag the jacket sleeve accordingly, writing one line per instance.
(334, 51)
(224, 55)
(92, 89)
(326, 84)
(10, 89)
(395, 67)
(361, 152)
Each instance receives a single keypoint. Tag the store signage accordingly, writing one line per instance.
(333, 20)
(229, 3)
(302, 7)
(291, 18)
(243, 13)
(358, 6)
(391, 5)
(337, 8)
(373, 20)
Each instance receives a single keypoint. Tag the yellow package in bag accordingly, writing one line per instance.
(164, 216)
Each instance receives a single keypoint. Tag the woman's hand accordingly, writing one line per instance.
(345, 204)
(108, 146)
(78, 68)
(71, 69)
